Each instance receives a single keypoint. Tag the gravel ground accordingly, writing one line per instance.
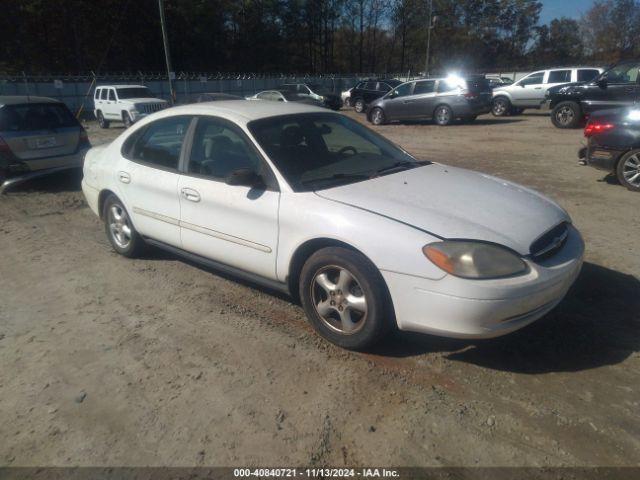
(109, 361)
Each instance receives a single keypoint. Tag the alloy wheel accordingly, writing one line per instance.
(499, 107)
(377, 117)
(443, 116)
(119, 226)
(339, 300)
(565, 115)
(631, 170)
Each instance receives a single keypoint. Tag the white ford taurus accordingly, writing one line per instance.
(317, 205)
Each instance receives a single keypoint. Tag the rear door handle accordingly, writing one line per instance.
(190, 194)
(124, 177)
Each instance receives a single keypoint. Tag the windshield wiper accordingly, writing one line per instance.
(337, 176)
(402, 165)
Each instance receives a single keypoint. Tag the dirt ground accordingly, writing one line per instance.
(109, 361)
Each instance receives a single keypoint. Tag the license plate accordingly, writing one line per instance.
(45, 142)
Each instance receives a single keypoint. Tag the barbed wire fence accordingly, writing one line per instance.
(76, 90)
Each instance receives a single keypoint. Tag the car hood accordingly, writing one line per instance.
(454, 203)
(143, 100)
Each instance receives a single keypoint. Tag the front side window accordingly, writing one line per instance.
(160, 142)
(623, 74)
(403, 90)
(559, 76)
(315, 151)
(533, 79)
(112, 94)
(424, 87)
(219, 149)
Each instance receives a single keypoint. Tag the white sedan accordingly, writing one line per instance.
(313, 203)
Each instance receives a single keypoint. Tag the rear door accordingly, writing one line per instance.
(620, 90)
(556, 77)
(148, 177)
(232, 224)
(40, 134)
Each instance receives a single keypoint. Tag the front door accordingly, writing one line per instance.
(397, 104)
(232, 224)
(619, 88)
(148, 178)
(529, 91)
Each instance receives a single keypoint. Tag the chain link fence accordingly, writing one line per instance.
(76, 91)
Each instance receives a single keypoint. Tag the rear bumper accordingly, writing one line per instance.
(600, 158)
(460, 308)
(24, 177)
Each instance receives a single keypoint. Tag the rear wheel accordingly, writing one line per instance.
(377, 116)
(501, 107)
(345, 299)
(566, 115)
(359, 105)
(628, 170)
(119, 229)
(101, 121)
(443, 115)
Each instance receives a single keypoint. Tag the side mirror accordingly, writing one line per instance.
(393, 94)
(244, 177)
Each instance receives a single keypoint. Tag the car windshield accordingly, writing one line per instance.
(35, 116)
(134, 92)
(316, 151)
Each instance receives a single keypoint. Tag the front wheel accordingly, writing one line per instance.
(359, 105)
(119, 229)
(443, 115)
(102, 123)
(344, 297)
(566, 115)
(628, 170)
(377, 116)
(126, 119)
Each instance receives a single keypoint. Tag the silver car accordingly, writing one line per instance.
(38, 136)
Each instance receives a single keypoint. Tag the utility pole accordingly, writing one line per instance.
(426, 63)
(167, 54)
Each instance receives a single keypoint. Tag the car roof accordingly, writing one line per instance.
(241, 112)
(22, 99)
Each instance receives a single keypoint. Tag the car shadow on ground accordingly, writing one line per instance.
(597, 324)
(479, 121)
(63, 181)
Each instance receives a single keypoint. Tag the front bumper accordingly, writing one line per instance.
(460, 308)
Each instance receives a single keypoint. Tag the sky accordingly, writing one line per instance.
(568, 8)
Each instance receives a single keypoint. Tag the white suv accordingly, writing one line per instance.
(124, 103)
(529, 92)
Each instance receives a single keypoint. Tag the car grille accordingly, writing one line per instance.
(150, 107)
(550, 243)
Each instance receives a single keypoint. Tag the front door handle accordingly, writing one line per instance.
(190, 194)
(408, 101)
(124, 177)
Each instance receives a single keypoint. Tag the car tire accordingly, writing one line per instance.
(345, 298)
(628, 170)
(500, 107)
(347, 102)
(358, 105)
(443, 115)
(126, 119)
(566, 115)
(102, 123)
(377, 116)
(119, 229)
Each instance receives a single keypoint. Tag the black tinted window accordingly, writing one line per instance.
(370, 86)
(161, 142)
(587, 75)
(112, 94)
(219, 149)
(31, 117)
(103, 94)
(424, 87)
(560, 76)
(403, 90)
(383, 87)
(134, 92)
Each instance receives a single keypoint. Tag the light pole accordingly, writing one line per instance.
(426, 63)
(167, 54)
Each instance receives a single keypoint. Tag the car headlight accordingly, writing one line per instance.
(469, 259)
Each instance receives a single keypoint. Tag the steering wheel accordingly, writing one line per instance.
(344, 150)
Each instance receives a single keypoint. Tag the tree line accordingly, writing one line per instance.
(308, 36)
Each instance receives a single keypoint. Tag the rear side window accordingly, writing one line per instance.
(587, 75)
(103, 94)
(370, 86)
(35, 116)
(424, 87)
(160, 143)
(559, 76)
